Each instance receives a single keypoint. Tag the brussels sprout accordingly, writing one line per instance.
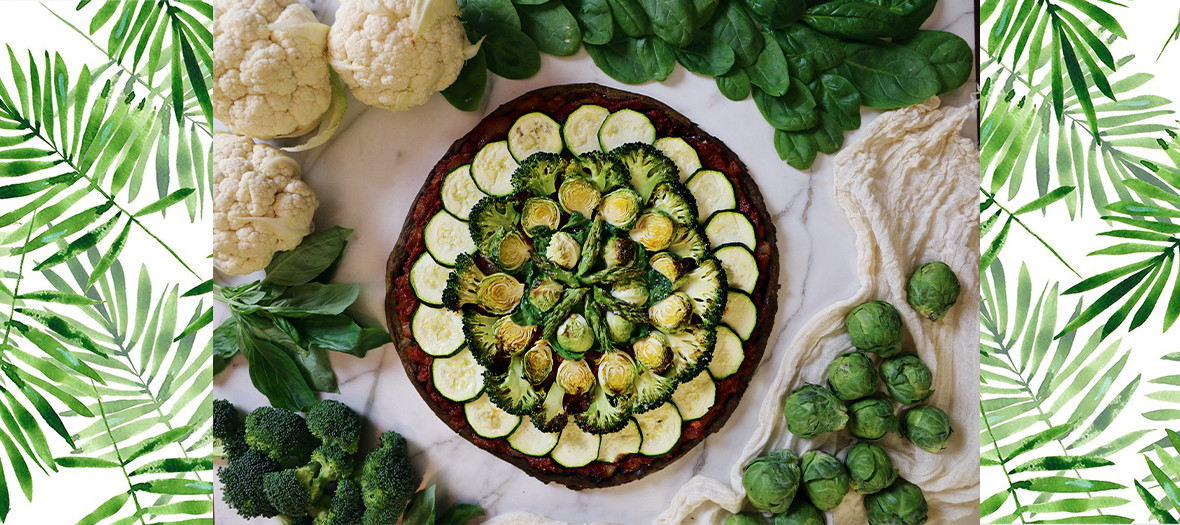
(812, 410)
(745, 518)
(824, 479)
(575, 377)
(619, 328)
(620, 208)
(869, 468)
(901, 504)
(771, 481)
(511, 338)
(616, 372)
(579, 196)
(563, 250)
(499, 293)
(631, 291)
(933, 290)
(538, 362)
(673, 314)
(907, 378)
(802, 512)
(928, 427)
(575, 334)
(871, 418)
(667, 264)
(507, 250)
(875, 327)
(852, 376)
(618, 251)
(539, 213)
(545, 294)
(652, 352)
(653, 230)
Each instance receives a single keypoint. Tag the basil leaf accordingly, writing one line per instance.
(598, 27)
(314, 298)
(889, 76)
(460, 514)
(510, 53)
(735, 85)
(949, 54)
(275, 374)
(479, 13)
(913, 14)
(317, 369)
(338, 333)
(771, 72)
(795, 147)
(219, 364)
(794, 111)
(630, 17)
(853, 19)
(421, 508)
(839, 99)
(775, 14)
(734, 27)
(467, 91)
(552, 28)
(370, 338)
(706, 55)
(671, 20)
(315, 254)
(659, 57)
(224, 342)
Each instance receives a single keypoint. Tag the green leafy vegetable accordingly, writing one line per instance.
(775, 14)
(630, 17)
(950, 56)
(671, 20)
(510, 53)
(657, 56)
(735, 85)
(552, 28)
(853, 19)
(467, 91)
(770, 72)
(889, 76)
(794, 111)
(733, 26)
(706, 55)
(620, 60)
(594, 17)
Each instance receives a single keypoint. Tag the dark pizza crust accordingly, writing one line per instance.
(558, 102)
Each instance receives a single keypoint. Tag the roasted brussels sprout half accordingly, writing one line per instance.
(907, 378)
(620, 208)
(539, 214)
(508, 250)
(824, 479)
(630, 291)
(812, 410)
(653, 230)
(616, 373)
(928, 427)
(667, 264)
(499, 293)
(618, 251)
(511, 338)
(875, 327)
(933, 290)
(575, 377)
(871, 418)
(869, 468)
(579, 196)
(538, 362)
(673, 314)
(902, 503)
(619, 328)
(563, 250)
(653, 352)
(575, 335)
(771, 481)
(802, 512)
(545, 294)
(852, 376)
(745, 519)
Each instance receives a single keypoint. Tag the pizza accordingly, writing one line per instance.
(584, 285)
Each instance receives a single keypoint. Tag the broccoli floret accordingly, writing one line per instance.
(242, 481)
(692, 350)
(689, 241)
(606, 414)
(550, 415)
(387, 480)
(463, 283)
(229, 434)
(603, 170)
(347, 508)
(652, 390)
(306, 519)
(335, 424)
(646, 166)
(706, 286)
(334, 463)
(539, 172)
(479, 331)
(673, 198)
(280, 434)
(294, 491)
(490, 216)
(512, 390)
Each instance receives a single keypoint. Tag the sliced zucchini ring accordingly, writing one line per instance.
(580, 130)
(740, 314)
(741, 270)
(447, 238)
(660, 429)
(728, 227)
(531, 133)
(695, 397)
(618, 444)
(575, 448)
(713, 192)
(489, 421)
(459, 377)
(428, 278)
(439, 331)
(625, 126)
(530, 441)
(681, 153)
(728, 354)
(459, 192)
(492, 168)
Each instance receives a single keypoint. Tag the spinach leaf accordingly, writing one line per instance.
(889, 76)
(460, 514)
(528, 2)
(598, 27)
(853, 19)
(314, 299)
(735, 85)
(510, 53)
(796, 147)
(620, 60)
(771, 72)
(305, 262)
(808, 51)
(838, 99)
(706, 55)
(275, 374)
(775, 14)
(794, 111)
(703, 12)
(479, 13)
(552, 28)
(913, 14)
(950, 56)
(829, 137)
(671, 20)
(467, 91)
(631, 17)
(733, 26)
(657, 56)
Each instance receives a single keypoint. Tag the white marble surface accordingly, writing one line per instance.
(366, 179)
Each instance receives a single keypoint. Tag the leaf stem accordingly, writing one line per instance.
(1003, 462)
(1029, 230)
(16, 287)
(118, 454)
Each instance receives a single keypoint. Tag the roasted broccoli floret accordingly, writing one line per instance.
(387, 480)
(652, 390)
(280, 434)
(511, 390)
(463, 283)
(229, 434)
(646, 166)
(294, 491)
(673, 198)
(605, 414)
(603, 170)
(490, 216)
(550, 415)
(335, 424)
(347, 507)
(479, 331)
(691, 352)
(242, 480)
(538, 173)
(689, 241)
(706, 286)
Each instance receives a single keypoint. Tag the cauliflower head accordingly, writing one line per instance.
(260, 205)
(270, 68)
(392, 55)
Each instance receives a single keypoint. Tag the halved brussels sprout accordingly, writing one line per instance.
(928, 427)
(619, 327)
(575, 377)
(620, 208)
(654, 230)
(511, 338)
(538, 362)
(630, 291)
(812, 410)
(499, 293)
(933, 290)
(875, 327)
(653, 352)
(869, 468)
(539, 213)
(508, 251)
(771, 481)
(563, 250)
(575, 334)
(616, 373)
(618, 251)
(901, 504)
(545, 294)
(871, 418)
(852, 376)
(907, 378)
(579, 196)
(673, 314)
(667, 264)
(824, 479)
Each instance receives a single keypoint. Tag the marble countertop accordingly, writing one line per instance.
(366, 179)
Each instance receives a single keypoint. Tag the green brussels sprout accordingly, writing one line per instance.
(745, 518)
(538, 362)
(932, 290)
(616, 372)
(507, 250)
(900, 504)
(618, 251)
(579, 196)
(653, 230)
(871, 418)
(852, 376)
(511, 338)
(620, 208)
(499, 293)
(667, 264)
(619, 328)
(812, 410)
(575, 334)
(672, 314)
(875, 327)
(771, 481)
(869, 468)
(575, 377)
(928, 427)
(563, 250)
(907, 378)
(539, 214)
(545, 293)
(631, 291)
(824, 479)
(652, 351)
(802, 512)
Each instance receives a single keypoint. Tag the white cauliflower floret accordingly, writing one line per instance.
(260, 205)
(270, 68)
(390, 56)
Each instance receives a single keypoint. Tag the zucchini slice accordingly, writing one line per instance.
(580, 130)
(459, 377)
(459, 192)
(660, 429)
(575, 448)
(531, 133)
(618, 444)
(428, 278)
(740, 314)
(695, 397)
(729, 227)
(492, 168)
(728, 354)
(530, 441)
(447, 238)
(489, 421)
(741, 270)
(681, 153)
(625, 126)
(439, 331)
(713, 192)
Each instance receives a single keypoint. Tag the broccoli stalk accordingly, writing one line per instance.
(550, 415)
(280, 434)
(463, 283)
(387, 481)
(335, 424)
(605, 414)
(242, 482)
(512, 391)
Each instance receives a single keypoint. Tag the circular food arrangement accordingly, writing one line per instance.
(584, 285)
